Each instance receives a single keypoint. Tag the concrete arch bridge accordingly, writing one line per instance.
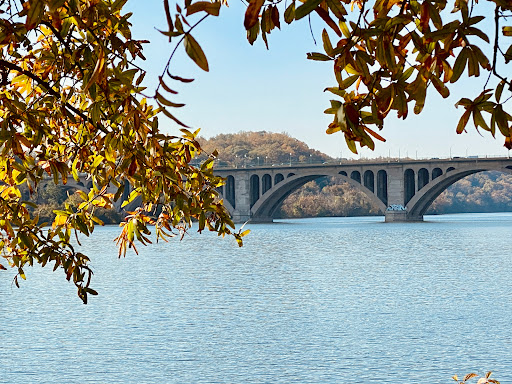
(401, 190)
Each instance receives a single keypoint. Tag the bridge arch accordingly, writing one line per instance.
(266, 182)
(230, 190)
(369, 180)
(254, 189)
(265, 208)
(423, 178)
(382, 186)
(436, 172)
(356, 175)
(278, 178)
(418, 204)
(409, 185)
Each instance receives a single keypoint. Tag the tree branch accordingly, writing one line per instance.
(496, 46)
(51, 91)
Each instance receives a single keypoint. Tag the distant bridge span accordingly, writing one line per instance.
(401, 190)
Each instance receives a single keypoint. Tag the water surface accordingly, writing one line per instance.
(304, 301)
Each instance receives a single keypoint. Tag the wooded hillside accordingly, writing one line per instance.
(252, 148)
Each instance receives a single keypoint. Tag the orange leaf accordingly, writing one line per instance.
(374, 134)
(330, 22)
(252, 13)
(352, 114)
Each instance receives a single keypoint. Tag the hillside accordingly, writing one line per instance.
(482, 192)
(252, 148)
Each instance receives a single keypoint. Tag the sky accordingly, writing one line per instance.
(250, 88)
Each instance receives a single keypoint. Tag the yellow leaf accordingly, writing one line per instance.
(97, 69)
(252, 13)
(35, 12)
(59, 220)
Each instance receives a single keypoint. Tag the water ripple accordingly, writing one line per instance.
(305, 301)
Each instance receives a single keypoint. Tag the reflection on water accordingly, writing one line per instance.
(304, 301)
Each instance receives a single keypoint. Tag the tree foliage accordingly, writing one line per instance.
(327, 197)
(387, 55)
(245, 149)
(71, 105)
(481, 192)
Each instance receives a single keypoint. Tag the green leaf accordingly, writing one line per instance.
(493, 125)
(289, 14)
(35, 13)
(478, 120)
(407, 73)
(460, 64)
(166, 102)
(499, 90)
(318, 56)
(195, 52)
(501, 120)
(440, 87)
(477, 32)
(344, 29)
(348, 81)
(337, 8)
(306, 8)
(508, 54)
(351, 145)
(327, 43)
(117, 6)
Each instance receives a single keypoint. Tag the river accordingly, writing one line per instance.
(326, 300)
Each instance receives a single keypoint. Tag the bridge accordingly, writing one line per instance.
(402, 190)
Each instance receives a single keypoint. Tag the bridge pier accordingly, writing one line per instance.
(400, 217)
(242, 210)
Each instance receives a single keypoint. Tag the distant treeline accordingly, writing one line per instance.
(481, 192)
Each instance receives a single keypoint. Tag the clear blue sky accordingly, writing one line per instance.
(250, 88)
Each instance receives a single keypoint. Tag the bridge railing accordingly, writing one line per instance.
(345, 161)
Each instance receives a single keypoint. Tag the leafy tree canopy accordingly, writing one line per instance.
(71, 104)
